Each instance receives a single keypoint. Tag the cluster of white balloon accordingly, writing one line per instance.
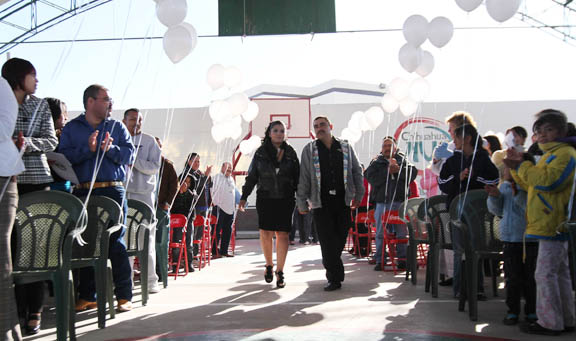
(362, 121)
(181, 37)
(499, 10)
(227, 113)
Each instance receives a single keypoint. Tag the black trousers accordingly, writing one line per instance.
(332, 222)
(519, 276)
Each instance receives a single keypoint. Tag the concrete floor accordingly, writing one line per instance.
(229, 300)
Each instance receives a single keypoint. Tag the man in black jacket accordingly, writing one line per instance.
(390, 175)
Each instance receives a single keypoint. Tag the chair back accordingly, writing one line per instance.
(408, 212)
(139, 217)
(103, 213)
(435, 213)
(178, 221)
(44, 227)
(482, 230)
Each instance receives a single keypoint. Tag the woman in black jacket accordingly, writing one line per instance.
(275, 169)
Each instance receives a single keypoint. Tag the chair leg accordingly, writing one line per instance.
(144, 275)
(428, 271)
(72, 311)
(414, 266)
(110, 293)
(101, 279)
(464, 292)
(473, 296)
(494, 268)
(62, 293)
(435, 269)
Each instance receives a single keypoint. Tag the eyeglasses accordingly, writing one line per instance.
(105, 99)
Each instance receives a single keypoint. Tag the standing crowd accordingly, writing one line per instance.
(326, 186)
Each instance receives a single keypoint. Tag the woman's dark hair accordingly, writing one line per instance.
(191, 157)
(520, 131)
(553, 117)
(571, 131)
(469, 130)
(15, 71)
(267, 139)
(494, 143)
(55, 107)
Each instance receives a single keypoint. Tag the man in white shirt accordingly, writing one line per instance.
(141, 183)
(224, 197)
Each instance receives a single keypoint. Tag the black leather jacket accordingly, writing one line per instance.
(275, 180)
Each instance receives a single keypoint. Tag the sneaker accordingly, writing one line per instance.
(124, 305)
(378, 267)
(372, 261)
(510, 320)
(82, 305)
(446, 282)
(306, 243)
(154, 289)
(531, 318)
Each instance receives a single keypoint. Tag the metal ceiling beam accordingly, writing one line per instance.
(36, 25)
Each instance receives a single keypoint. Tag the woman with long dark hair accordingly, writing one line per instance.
(275, 169)
(35, 124)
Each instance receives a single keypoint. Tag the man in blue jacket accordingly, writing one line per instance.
(99, 149)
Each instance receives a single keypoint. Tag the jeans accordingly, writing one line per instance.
(121, 271)
(400, 230)
(224, 227)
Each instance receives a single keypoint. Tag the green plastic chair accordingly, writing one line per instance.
(434, 212)
(162, 251)
(417, 234)
(481, 240)
(138, 225)
(104, 219)
(45, 226)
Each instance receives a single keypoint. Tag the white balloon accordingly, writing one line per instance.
(501, 137)
(364, 125)
(410, 57)
(426, 64)
(399, 88)
(374, 116)
(502, 10)
(171, 12)
(245, 147)
(177, 43)
(419, 89)
(350, 135)
(193, 33)
(251, 112)
(215, 76)
(232, 77)
(354, 122)
(440, 31)
(408, 107)
(235, 132)
(238, 103)
(468, 5)
(218, 133)
(415, 30)
(389, 103)
(219, 110)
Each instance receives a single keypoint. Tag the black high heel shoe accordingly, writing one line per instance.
(268, 276)
(33, 329)
(280, 279)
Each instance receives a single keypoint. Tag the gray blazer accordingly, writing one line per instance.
(309, 183)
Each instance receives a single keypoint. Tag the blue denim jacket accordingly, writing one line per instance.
(512, 209)
(74, 145)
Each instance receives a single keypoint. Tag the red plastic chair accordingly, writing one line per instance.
(205, 244)
(390, 241)
(178, 221)
(366, 218)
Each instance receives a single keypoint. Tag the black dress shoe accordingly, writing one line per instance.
(535, 328)
(331, 286)
(33, 330)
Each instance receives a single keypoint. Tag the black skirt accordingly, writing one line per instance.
(275, 214)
